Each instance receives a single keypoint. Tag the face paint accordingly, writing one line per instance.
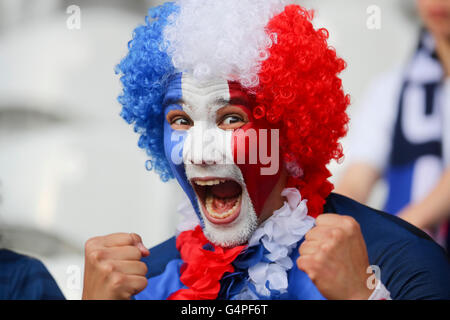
(250, 145)
(174, 140)
(227, 194)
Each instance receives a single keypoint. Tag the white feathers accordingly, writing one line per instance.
(221, 39)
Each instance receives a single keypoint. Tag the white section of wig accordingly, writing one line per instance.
(221, 39)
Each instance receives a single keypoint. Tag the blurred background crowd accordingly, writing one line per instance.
(70, 167)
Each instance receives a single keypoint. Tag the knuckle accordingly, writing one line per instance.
(135, 237)
(131, 239)
(327, 247)
(337, 234)
(107, 268)
(350, 223)
(90, 244)
(319, 259)
(95, 256)
(117, 280)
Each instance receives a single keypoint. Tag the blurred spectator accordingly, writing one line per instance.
(25, 278)
(402, 133)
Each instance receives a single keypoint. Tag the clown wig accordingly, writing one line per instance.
(272, 49)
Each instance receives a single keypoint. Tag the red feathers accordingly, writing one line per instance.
(203, 267)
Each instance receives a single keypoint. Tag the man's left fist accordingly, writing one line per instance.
(334, 256)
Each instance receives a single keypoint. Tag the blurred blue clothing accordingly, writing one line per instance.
(403, 130)
(25, 278)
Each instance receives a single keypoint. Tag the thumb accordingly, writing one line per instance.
(137, 240)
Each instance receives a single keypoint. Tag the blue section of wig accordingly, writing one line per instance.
(144, 75)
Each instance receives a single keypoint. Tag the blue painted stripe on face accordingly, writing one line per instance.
(174, 141)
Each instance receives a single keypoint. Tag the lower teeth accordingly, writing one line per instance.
(223, 215)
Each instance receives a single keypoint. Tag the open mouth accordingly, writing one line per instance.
(220, 198)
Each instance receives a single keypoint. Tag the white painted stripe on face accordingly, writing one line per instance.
(205, 141)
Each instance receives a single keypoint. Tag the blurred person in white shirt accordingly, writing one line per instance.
(402, 132)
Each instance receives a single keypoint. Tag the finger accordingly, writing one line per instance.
(134, 284)
(144, 251)
(309, 247)
(121, 253)
(120, 239)
(304, 263)
(136, 268)
(138, 241)
(124, 286)
(126, 239)
(329, 219)
(348, 224)
(318, 233)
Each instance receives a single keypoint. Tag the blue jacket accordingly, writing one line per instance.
(25, 278)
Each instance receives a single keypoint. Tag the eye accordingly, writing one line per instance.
(231, 119)
(179, 120)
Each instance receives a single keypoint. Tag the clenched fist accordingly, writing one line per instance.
(113, 269)
(334, 256)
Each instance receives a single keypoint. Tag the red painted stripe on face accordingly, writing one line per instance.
(246, 148)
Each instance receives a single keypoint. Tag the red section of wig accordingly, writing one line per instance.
(300, 92)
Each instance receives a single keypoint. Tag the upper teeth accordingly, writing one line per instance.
(209, 182)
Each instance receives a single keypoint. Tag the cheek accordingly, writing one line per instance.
(173, 147)
(247, 145)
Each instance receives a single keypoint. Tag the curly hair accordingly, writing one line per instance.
(145, 71)
(301, 89)
(298, 91)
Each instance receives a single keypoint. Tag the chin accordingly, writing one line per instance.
(238, 231)
(225, 205)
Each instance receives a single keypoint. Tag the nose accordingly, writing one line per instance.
(202, 163)
(204, 147)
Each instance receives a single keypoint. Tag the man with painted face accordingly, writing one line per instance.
(240, 101)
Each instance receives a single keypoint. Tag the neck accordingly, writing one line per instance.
(443, 52)
(275, 201)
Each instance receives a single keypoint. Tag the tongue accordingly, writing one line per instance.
(228, 189)
(223, 205)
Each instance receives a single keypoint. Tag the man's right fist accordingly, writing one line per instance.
(112, 268)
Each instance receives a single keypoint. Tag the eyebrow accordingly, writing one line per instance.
(171, 99)
(237, 100)
(168, 100)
